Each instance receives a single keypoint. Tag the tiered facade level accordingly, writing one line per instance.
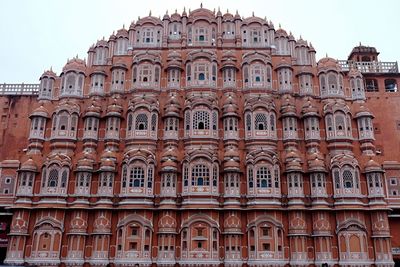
(203, 139)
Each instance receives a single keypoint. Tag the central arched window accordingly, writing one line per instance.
(72, 84)
(201, 120)
(263, 180)
(146, 75)
(202, 72)
(64, 125)
(141, 122)
(264, 177)
(54, 179)
(331, 84)
(200, 175)
(338, 125)
(136, 177)
(346, 181)
(260, 124)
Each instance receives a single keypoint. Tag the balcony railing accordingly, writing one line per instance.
(370, 66)
(19, 89)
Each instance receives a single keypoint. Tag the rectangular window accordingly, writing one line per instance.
(133, 246)
(393, 181)
(266, 246)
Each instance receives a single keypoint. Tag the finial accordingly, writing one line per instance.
(51, 68)
(326, 54)
(184, 9)
(237, 12)
(301, 38)
(176, 10)
(123, 26)
(138, 18)
(280, 26)
(150, 13)
(201, 5)
(166, 12)
(253, 13)
(360, 43)
(227, 10)
(214, 10)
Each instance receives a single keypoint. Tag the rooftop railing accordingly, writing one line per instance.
(370, 66)
(19, 88)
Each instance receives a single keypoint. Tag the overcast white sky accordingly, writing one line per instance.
(36, 35)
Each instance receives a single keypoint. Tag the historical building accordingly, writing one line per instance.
(203, 139)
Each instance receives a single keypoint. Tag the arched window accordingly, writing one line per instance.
(347, 179)
(261, 121)
(53, 178)
(200, 175)
(136, 177)
(201, 120)
(141, 122)
(264, 177)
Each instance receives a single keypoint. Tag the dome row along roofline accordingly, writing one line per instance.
(324, 65)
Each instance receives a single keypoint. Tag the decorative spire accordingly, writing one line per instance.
(201, 5)
(253, 14)
(150, 13)
(166, 12)
(280, 26)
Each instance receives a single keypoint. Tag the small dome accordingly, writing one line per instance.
(102, 43)
(231, 152)
(373, 166)
(166, 16)
(29, 165)
(122, 33)
(109, 154)
(107, 165)
(328, 63)
(85, 163)
(288, 108)
(228, 16)
(175, 16)
(281, 33)
(114, 109)
(231, 164)
(169, 152)
(93, 110)
(49, 74)
(75, 64)
(169, 164)
(363, 111)
(301, 42)
(309, 109)
(40, 112)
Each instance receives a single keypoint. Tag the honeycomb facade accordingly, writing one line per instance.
(204, 139)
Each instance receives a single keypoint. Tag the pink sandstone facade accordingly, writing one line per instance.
(203, 139)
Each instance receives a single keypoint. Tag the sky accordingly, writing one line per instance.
(37, 35)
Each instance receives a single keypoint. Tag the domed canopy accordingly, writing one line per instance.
(75, 64)
(328, 63)
(40, 112)
(93, 110)
(48, 74)
(309, 109)
(29, 165)
(372, 166)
